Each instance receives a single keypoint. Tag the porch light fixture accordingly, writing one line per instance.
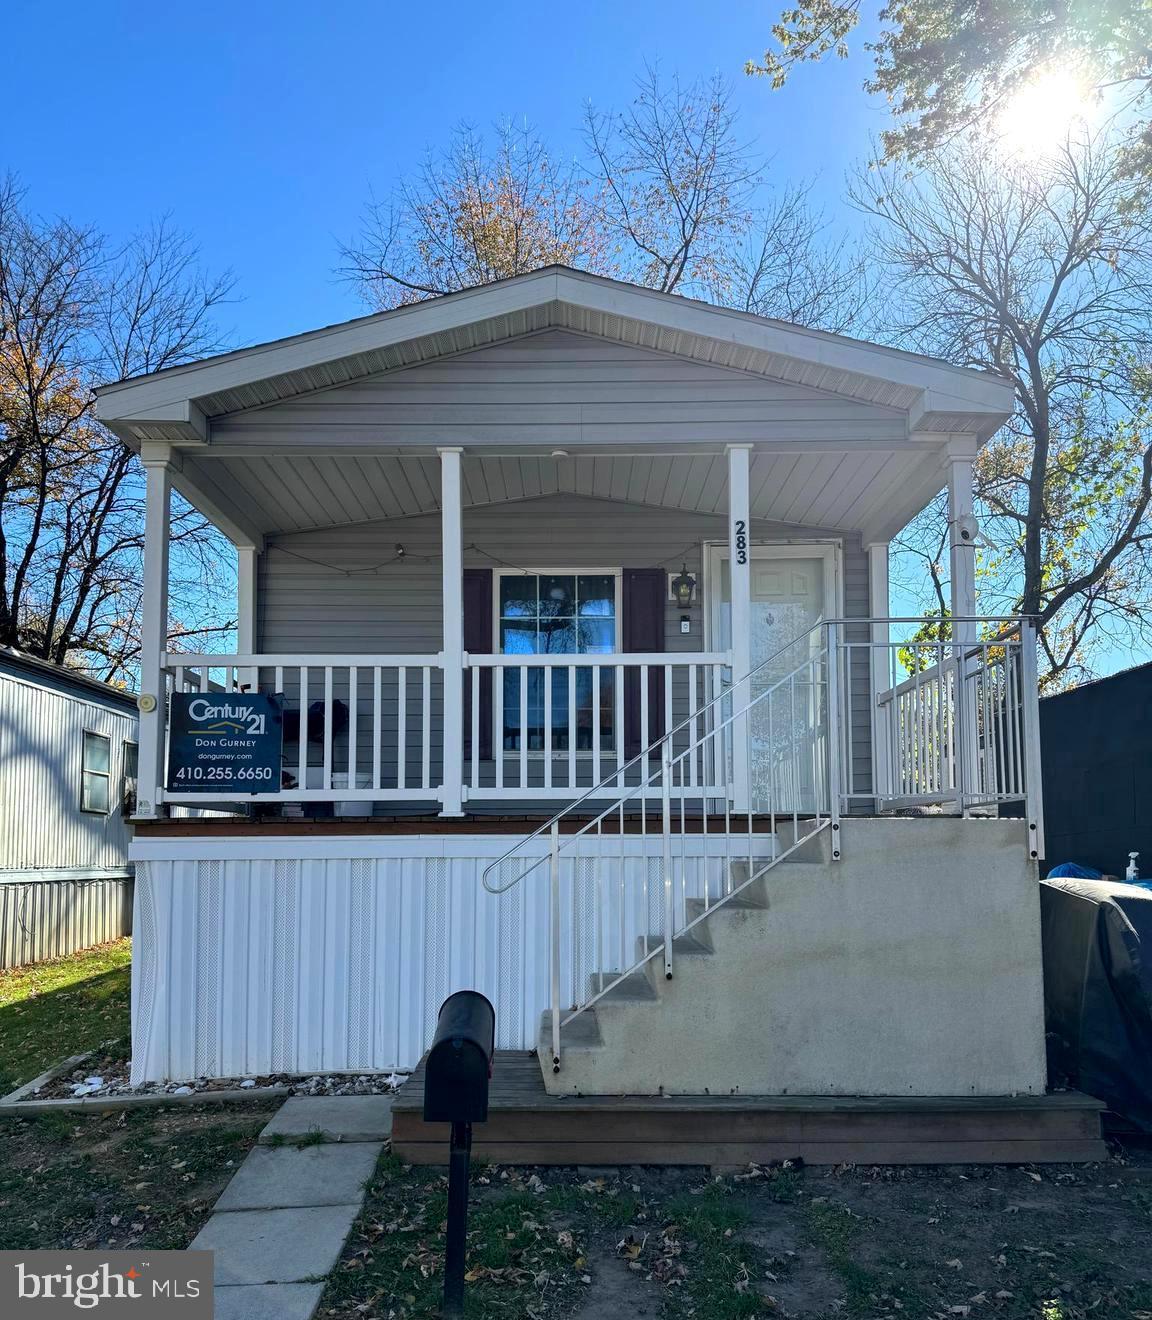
(683, 588)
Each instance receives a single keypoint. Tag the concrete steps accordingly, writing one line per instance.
(641, 989)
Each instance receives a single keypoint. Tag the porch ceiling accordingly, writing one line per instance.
(871, 491)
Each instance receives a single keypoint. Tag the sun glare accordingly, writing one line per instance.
(1039, 118)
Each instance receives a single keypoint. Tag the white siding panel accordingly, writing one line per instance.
(41, 738)
(309, 963)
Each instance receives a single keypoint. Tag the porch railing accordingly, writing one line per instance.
(370, 728)
(553, 724)
(809, 734)
(358, 728)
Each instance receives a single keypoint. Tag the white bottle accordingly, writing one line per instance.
(1132, 874)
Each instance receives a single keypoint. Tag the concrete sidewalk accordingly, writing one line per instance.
(281, 1223)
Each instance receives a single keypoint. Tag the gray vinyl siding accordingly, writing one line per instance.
(343, 590)
(558, 387)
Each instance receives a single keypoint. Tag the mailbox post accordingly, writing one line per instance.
(456, 1076)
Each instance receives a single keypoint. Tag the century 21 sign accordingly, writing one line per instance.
(224, 741)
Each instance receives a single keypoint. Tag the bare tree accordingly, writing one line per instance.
(672, 198)
(76, 312)
(790, 267)
(1042, 273)
(677, 184)
(472, 216)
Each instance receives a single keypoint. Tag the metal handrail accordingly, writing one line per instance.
(614, 776)
(646, 754)
(974, 757)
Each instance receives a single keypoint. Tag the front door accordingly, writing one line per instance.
(793, 588)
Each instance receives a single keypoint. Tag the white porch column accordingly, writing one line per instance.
(153, 631)
(880, 609)
(962, 548)
(962, 567)
(740, 565)
(452, 654)
(247, 562)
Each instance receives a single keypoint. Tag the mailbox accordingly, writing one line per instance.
(459, 1063)
(456, 1074)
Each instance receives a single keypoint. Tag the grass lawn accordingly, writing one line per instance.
(66, 1006)
(987, 1243)
(131, 1178)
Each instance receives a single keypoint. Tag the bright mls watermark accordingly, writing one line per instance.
(151, 1285)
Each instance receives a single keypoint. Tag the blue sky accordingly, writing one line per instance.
(263, 128)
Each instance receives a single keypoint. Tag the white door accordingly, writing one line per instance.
(793, 588)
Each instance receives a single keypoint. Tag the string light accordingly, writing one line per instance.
(402, 556)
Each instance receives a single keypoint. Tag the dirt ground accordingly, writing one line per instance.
(130, 1178)
(1050, 1242)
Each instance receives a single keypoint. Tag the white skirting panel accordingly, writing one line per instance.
(250, 961)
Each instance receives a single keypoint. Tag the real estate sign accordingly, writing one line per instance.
(222, 740)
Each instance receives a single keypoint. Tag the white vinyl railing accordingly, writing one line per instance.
(555, 725)
(954, 724)
(709, 848)
(809, 734)
(370, 728)
(358, 728)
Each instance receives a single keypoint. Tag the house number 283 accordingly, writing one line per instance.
(741, 541)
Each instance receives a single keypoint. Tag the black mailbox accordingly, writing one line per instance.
(459, 1063)
(456, 1074)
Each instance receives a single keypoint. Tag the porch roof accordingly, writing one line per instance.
(870, 453)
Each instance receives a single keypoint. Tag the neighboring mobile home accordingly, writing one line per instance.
(564, 545)
(67, 784)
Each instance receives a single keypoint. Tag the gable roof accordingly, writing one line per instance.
(176, 405)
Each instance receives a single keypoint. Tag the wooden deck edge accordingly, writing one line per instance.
(416, 823)
(730, 1154)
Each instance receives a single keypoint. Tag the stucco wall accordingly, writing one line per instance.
(911, 967)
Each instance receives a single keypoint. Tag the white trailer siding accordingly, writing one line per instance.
(42, 828)
(50, 918)
(305, 955)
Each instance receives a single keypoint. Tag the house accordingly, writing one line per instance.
(1095, 743)
(565, 671)
(68, 748)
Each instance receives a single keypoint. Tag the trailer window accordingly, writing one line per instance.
(96, 774)
(128, 776)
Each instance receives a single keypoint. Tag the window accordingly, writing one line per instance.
(558, 614)
(128, 775)
(96, 774)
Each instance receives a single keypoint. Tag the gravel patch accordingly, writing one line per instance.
(107, 1073)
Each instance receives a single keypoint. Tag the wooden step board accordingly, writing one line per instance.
(528, 1126)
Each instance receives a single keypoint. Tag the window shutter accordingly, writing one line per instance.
(643, 630)
(478, 640)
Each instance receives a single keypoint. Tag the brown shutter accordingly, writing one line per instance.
(478, 641)
(643, 630)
